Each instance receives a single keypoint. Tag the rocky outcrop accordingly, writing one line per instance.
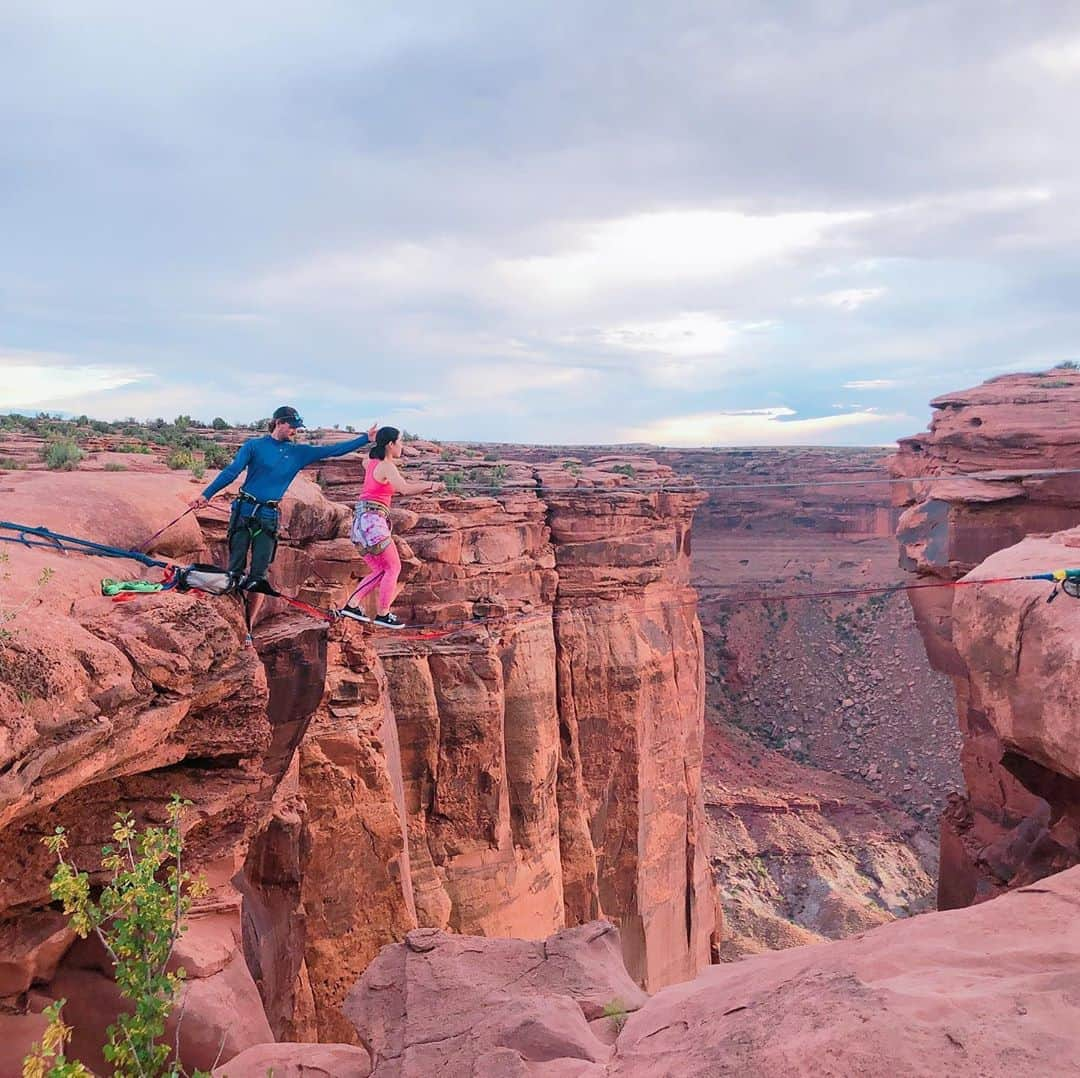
(548, 759)
(527, 771)
(110, 706)
(981, 991)
(1014, 823)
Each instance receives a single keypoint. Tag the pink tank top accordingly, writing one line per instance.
(373, 490)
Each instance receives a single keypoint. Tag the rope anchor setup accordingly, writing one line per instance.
(212, 580)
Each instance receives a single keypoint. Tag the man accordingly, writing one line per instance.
(272, 463)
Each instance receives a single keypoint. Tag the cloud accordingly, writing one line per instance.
(872, 383)
(664, 250)
(847, 299)
(42, 380)
(752, 426)
(571, 210)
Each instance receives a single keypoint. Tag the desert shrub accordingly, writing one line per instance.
(115, 466)
(216, 455)
(179, 458)
(62, 455)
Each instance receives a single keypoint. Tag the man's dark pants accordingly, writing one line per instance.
(255, 535)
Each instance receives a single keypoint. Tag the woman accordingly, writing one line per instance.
(371, 525)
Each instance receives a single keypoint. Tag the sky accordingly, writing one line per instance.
(688, 223)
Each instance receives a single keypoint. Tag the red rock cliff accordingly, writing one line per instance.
(1006, 649)
(525, 774)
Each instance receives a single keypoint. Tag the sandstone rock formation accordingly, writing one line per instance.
(531, 771)
(982, 991)
(1002, 645)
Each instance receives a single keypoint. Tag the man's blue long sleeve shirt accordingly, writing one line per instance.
(272, 465)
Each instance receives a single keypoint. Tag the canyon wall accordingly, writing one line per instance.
(1007, 651)
(537, 769)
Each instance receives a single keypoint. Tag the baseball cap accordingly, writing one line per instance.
(290, 415)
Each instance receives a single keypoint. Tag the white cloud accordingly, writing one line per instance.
(1059, 57)
(664, 249)
(847, 299)
(687, 334)
(756, 426)
(588, 261)
(45, 379)
(873, 383)
(475, 383)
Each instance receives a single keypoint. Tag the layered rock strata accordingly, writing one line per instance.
(1004, 648)
(529, 771)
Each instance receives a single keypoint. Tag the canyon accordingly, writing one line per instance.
(523, 846)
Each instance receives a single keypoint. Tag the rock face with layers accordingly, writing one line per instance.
(547, 759)
(529, 771)
(1004, 648)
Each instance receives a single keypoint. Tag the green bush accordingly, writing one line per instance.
(62, 455)
(10, 464)
(219, 423)
(215, 455)
(138, 916)
(179, 458)
(115, 466)
(452, 481)
(625, 469)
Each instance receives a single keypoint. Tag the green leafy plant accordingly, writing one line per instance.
(62, 455)
(453, 481)
(115, 466)
(218, 423)
(497, 476)
(179, 459)
(446, 454)
(625, 469)
(138, 916)
(216, 455)
(198, 469)
(47, 1059)
(9, 464)
(617, 1011)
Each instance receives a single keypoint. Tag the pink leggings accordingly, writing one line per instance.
(386, 568)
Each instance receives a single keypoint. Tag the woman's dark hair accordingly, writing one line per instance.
(383, 437)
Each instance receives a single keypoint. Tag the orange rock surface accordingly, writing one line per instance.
(984, 991)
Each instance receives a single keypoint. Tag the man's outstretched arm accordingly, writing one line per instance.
(321, 452)
(227, 474)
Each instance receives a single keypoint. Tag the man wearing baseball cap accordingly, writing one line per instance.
(272, 463)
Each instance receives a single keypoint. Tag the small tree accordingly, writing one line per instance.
(138, 916)
(219, 423)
